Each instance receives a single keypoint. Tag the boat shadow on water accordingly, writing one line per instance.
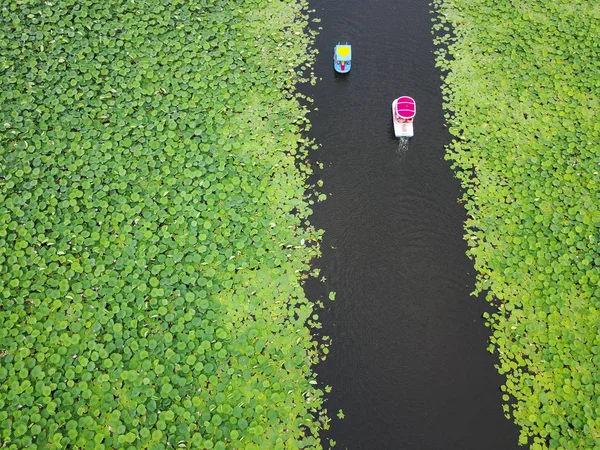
(339, 77)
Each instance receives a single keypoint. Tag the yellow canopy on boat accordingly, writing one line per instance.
(343, 50)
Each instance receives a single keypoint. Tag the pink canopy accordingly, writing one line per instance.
(406, 107)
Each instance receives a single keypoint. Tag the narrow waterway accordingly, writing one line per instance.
(408, 362)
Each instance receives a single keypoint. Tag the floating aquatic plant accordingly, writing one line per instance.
(152, 226)
(521, 88)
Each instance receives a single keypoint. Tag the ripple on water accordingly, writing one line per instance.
(408, 363)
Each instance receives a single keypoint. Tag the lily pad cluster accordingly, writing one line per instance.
(522, 91)
(153, 232)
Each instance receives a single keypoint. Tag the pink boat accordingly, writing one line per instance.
(403, 113)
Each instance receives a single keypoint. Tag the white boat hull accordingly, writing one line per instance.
(401, 129)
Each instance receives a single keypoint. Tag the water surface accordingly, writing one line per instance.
(408, 362)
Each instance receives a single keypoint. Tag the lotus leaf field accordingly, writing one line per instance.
(153, 232)
(522, 90)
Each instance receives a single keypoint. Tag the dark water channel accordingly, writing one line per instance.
(408, 361)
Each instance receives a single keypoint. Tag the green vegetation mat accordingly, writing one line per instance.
(522, 88)
(153, 234)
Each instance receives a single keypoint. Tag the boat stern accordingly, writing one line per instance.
(403, 130)
(342, 66)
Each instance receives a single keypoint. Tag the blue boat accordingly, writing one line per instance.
(342, 57)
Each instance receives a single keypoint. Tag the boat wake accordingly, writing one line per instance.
(402, 147)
